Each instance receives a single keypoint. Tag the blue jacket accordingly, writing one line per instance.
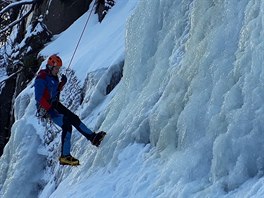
(47, 88)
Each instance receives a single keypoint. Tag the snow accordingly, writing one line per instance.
(184, 121)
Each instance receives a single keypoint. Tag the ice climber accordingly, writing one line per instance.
(47, 90)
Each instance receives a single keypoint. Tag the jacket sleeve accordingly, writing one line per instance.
(41, 93)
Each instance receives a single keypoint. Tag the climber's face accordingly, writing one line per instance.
(55, 70)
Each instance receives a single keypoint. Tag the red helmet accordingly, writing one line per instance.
(54, 60)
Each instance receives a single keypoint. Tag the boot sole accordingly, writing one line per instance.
(69, 164)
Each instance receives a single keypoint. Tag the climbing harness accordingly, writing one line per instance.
(43, 116)
(51, 129)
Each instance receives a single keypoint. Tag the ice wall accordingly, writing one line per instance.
(193, 87)
(23, 162)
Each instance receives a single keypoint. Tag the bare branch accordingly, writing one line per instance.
(10, 76)
(16, 4)
(16, 22)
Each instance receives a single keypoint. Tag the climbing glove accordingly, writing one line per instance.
(63, 79)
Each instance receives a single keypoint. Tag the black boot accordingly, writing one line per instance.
(96, 138)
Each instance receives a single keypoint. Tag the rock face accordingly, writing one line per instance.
(62, 13)
(6, 96)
